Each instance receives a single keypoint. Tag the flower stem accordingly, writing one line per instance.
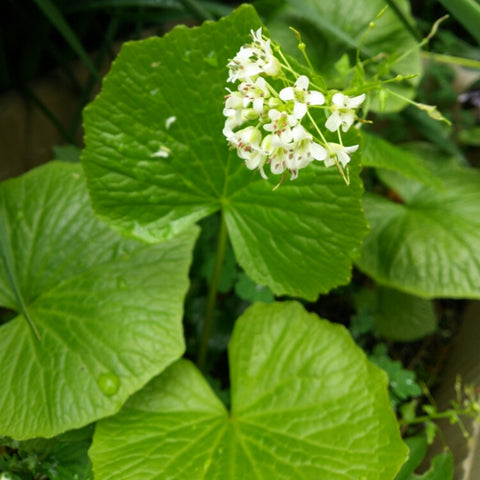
(437, 416)
(212, 295)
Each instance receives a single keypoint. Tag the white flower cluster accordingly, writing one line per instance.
(265, 126)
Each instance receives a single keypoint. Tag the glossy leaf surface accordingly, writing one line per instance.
(150, 178)
(97, 315)
(425, 243)
(306, 404)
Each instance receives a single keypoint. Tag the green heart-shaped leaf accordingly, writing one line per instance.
(97, 315)
(426, 245)
(150, 178)
(306, 404)
(379, 153)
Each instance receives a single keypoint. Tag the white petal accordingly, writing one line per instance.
(251, 69)
(254, 160)
(333, 121)
(347, 120)
(315, 98)
(272, 68)
(287, 94)
(258, 105)
(354, 102)
(351, 149)
(233, 122)
(286, 136)
(299, 110)
(292, 120)
(261, 83)
(318, 152)
(299, 133)
(302, 82)
(228, 133)
(277, 166)
(232, 76)
(257, 36)
(340, 99)
(274, 114)
(343, 158)
(329, 162)
(276, 141)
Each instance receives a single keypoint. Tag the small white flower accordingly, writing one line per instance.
(255, 93)
(265, 57)
(253, 59)
(276, 151)
(247, 142)
(301, 96)
(304, 150)
(339, 153)
(281, 124)
(233, 109)
(258, 39)
(242, 67)
(343, 113)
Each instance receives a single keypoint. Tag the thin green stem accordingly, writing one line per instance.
(436, 416)
(452, 60)
(346, 177)
(212, 295)
(424, 42)
(377, 84)
(315, 126)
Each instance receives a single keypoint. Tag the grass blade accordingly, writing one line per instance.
(467, 12)
(57, 19)
(403, 18)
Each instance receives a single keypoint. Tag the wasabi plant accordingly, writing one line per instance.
(108, 323)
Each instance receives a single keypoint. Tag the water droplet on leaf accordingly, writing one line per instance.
(109, 383)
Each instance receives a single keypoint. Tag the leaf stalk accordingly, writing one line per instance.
(212, 295)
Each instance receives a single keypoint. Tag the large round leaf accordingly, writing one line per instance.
(427, 244)
(150, 178)
(306, 404)
(98, 315)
